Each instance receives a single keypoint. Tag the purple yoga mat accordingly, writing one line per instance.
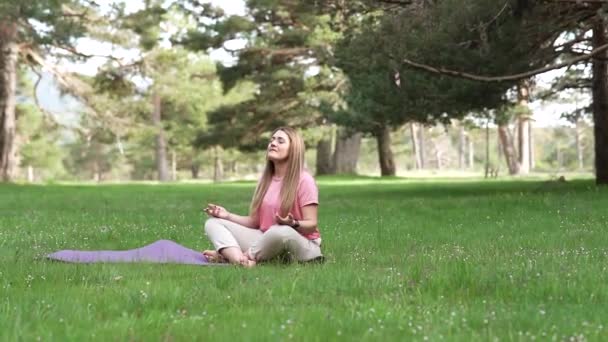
(161, 251)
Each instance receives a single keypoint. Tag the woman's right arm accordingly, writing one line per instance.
(247, 221)
(221, 212)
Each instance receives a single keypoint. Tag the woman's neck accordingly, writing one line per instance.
(280, 169)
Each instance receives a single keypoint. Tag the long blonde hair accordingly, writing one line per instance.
(289, 188)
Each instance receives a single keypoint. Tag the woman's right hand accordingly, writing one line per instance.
(216, 211)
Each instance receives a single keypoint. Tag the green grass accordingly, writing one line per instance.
(407, 260)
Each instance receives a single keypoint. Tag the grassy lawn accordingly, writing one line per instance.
(407, 260)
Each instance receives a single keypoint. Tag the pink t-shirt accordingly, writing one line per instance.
(271, 204)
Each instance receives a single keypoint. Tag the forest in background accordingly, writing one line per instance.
(376, 87)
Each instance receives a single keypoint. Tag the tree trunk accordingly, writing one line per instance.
(524, 146)
(487, 166)
(30, 174)
(438, 157)
(523, 121)
(218, 169)
(471, 153)
(600, 104)
(579, 145)
(96, 170)
(385, 154)
(8, 86)
(461, 148)
(194, 165)
(346, 154)
(173, 165)
(324, 157)
(234, 167)
(422, 147)
(415, 147)
(506, 140)
(498, 147)
(195, 169)
(97, 150)
(532, 154)
(161, 145)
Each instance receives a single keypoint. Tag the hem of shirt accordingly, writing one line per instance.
(308, 203)
(309, 237)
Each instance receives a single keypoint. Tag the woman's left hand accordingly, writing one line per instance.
(288, 220)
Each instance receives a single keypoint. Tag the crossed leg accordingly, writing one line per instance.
(230, 241)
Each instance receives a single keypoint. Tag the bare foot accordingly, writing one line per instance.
(213, 256)
(247, 261)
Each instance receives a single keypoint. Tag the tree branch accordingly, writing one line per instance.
(204, 76)
(75, 86)
(396, 2)
(571, 43)
(504, 7)
(85, 16)
(84, 55)
(45, 112)
(68, 13)
(579, 1)
(277, 56)
(514, 77)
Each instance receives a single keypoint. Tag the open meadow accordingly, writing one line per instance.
(406, 260)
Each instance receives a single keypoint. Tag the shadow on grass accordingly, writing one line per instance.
(399, 188)
(355, 187)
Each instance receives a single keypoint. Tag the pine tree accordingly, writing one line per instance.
(30, 30)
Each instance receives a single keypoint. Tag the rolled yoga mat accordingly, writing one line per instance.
(161, 251)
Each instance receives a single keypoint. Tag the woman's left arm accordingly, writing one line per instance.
(308, 224)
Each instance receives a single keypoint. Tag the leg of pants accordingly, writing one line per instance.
(278, 239)
(224, 233)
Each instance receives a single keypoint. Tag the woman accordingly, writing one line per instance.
(283, 212)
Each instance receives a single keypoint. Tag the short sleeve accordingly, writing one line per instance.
(308, 193)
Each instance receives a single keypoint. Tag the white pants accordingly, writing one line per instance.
(262, 246)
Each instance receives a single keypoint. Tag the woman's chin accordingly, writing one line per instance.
(276, 159)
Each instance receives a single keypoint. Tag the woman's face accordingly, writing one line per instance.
(278, 147)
